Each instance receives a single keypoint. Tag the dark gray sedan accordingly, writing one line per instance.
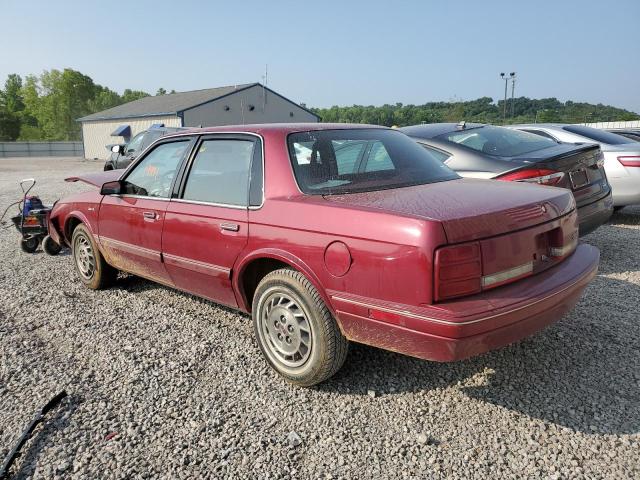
(486, 151)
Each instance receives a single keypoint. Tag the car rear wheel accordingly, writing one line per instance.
(91, 266)
(295, 330)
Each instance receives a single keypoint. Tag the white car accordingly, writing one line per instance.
(621, 156)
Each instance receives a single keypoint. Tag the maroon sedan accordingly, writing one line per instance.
(334, 233)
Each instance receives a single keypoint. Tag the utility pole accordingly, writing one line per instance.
(504, 106)
(265, 79)
(513, 87)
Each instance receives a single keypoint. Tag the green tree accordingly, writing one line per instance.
(130, 95)
(161, 91)
(12, 94)
(11, 108)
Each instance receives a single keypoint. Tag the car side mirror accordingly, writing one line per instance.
(111, 188)
(117, 148)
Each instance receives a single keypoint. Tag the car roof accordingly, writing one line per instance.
(284, 128)
(539, 125)
(431, 130)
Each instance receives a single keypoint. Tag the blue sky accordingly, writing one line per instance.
(330, 52)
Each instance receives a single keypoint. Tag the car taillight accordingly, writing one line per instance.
(458, 271)
(630, 160)
(543, 176)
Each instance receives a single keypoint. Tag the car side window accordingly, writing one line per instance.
(542, 133)
(439, 154)
(378, 159)
(348, 154)
(220, 172)
(153, 176)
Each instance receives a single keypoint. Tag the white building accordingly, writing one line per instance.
(232, 105)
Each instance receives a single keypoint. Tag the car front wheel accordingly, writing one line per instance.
(295, 330)
(91, 266)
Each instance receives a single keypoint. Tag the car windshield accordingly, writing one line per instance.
(499, 141)
(598, 135)
(135, 143)
(329, 162)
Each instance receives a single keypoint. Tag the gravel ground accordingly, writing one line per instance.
(162, 384)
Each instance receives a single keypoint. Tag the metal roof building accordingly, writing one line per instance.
(231, 105)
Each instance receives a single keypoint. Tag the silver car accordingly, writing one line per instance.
(621, 155)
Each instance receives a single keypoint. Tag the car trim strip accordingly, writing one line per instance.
(211, 204)
(195, 265)
(448, 322)
(130, 248)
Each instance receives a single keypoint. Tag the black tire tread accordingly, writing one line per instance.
(337, 345)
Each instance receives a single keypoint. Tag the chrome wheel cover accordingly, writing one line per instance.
(84, 257)
(284, 329)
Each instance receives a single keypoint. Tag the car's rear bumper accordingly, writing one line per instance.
(593, 215)
(626, 190)
(474, 325)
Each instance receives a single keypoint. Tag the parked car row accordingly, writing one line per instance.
(621, 156)
(332, 233)
(485, 151)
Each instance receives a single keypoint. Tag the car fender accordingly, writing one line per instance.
(82, 218)
(276, 254)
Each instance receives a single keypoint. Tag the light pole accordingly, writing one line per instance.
(512, 75)
(504, 106)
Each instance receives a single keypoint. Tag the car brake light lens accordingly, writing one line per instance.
(458, 271)
(630, 160)
(542, 176)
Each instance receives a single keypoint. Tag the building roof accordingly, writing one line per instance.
(168, 104)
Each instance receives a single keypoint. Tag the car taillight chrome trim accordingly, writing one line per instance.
(503, 276)
(544, 179)
(629, 160)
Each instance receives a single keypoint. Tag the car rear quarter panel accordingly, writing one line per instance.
(390, 255)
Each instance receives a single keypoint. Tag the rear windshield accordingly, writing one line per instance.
(329, 162)
(598, 135)
(499, 141)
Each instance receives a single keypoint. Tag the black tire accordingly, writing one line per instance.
(50, 247)
(298, 336)
(91, 266)
(618, 208)
(108, 167)
(29, 245)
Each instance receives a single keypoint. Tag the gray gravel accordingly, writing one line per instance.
(163, 384)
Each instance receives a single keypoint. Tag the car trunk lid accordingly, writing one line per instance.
(470, 209)
(583, 168)
(96, 179)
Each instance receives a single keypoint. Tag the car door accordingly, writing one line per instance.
(206, 226)
(130, 223)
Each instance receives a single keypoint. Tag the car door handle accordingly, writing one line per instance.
(231, 227)
(150, 215)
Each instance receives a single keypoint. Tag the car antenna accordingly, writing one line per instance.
(461, 125)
